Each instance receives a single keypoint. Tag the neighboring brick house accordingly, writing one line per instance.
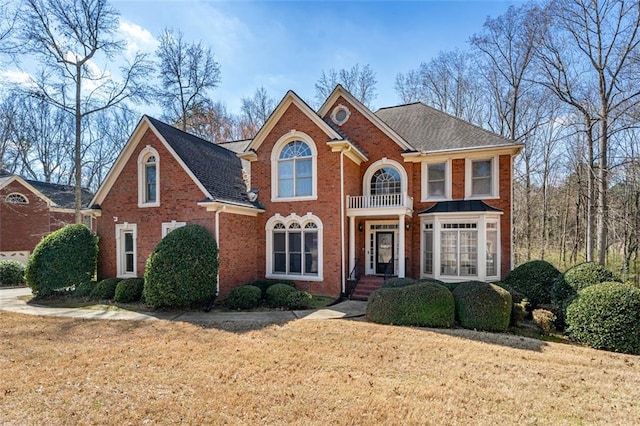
(30, 210)
(335, 194)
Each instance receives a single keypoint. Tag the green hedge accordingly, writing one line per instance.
(263, 285)
(482, 306)
(11, 273)
(129, 290)
(606, 316)
(182, 269)
(398, 282)
(84, 289)
(534, 280)
(298, 300)
(65, 258)
(105, 289)
(277, 295)
(244, 297)
(421, 304)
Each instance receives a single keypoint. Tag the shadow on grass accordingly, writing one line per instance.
(502, 339)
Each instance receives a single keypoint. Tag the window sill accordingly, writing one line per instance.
(434, 199)
(132, 275)
(314, 278)
(482, 197)
(292, 199)
(145, 205)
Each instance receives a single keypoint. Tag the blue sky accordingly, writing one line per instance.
(284, 45)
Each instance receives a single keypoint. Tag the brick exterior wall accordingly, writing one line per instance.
(178, 201)
(22, 226)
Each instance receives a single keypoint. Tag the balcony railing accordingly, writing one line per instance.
(379, 201)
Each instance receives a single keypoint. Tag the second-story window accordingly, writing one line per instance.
(295, 170)
(481, 178)
(150, 180)
(386, 181)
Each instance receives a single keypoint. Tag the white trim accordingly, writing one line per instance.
(288, 220)
(336, 110)
(468, 179)
(424, 181)
(478, 218)
(170, 226)
(147, 152)
(366, 112)
(120, 229)
(16, 178)
(26, 200)
(371, 269)
(470, 152)
(384, 162)
(214, 206)
(291, 136)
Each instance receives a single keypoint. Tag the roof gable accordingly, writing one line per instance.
(291, 99)
(430, 130)
(366, 112)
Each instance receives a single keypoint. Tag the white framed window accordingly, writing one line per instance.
(436, 181)
(294, 174)
(294, 247)
(126, 250)
(170, 226)
(481, 178)
(148, 178)
(16, 198)
(460, 247)
(340, 114)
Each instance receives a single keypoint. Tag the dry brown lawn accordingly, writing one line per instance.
(70, 371)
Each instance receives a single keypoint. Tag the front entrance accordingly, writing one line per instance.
(381, 247)
(384, 252)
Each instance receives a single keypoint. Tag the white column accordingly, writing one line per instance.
(352, 243)
(401, 231)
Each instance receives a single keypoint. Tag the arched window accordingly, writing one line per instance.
(16, 198)
(294, 168)
(295, 176)
(386, 181)
(294, 247)
(148, 178)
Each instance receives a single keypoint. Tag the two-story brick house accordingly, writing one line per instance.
(320, 197)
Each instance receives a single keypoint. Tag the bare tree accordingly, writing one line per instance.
(187, 72)
(211, 121)
(255, 111)
(359, 81)
(8, 117)
(71, 37)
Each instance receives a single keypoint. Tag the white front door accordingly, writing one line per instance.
(381, 247)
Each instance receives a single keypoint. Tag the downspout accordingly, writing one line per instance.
(511, 216)
(342, 255)
(218, 211)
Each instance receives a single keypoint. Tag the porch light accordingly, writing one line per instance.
(360, 227)
(407, 226)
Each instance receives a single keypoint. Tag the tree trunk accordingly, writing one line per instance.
(590, 191)
(602, 214)
(78, 147)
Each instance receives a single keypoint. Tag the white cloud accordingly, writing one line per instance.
(138, 39)
(15, 76)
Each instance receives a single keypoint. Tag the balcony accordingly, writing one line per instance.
(379, 205)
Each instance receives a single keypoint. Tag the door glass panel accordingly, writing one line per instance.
(384, 251)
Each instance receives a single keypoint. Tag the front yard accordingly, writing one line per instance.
(70, 371)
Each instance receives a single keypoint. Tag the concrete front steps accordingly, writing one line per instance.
(367, 285)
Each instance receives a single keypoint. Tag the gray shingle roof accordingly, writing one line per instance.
(428, 129)
(236, 146)
(217, 168)
(63, 195)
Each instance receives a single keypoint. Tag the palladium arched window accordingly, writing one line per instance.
(16, 198)
(386, 180)
(295, 170)
(148, 178)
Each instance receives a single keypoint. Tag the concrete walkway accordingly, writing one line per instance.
(10, 300)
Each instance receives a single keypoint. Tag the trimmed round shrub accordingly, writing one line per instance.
(606, 316)
(534, 280)
(482, 306)
(11, 273)
(62, 259)
(580, 277)
(105, 289)
(182, 269)
(430, 280)
(450, 286)
(84, 289)
(266, 283)
(277, 295)
(129, 290)
(422, 304)
(398, 282)
(244, 297)
(299, 300)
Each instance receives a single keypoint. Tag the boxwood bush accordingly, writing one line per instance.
(277, 295)
(244, 297)
(482, 306)
(181, 270)
(105, 289)
(398, 282)
(421, 304)
(84, 289)
(129, 290)
(266, 283)
(65, 258)
(11, 273)
(299, 300)
(534, 280)
(606, 316)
